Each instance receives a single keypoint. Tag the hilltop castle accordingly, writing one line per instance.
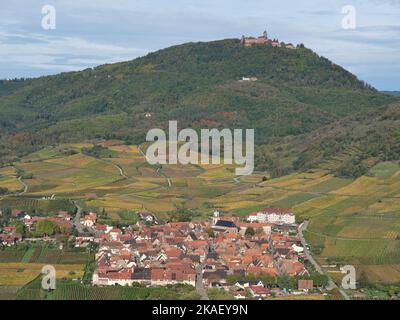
(263, 40)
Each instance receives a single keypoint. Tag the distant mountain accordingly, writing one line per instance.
(393, 93)
(296, 92)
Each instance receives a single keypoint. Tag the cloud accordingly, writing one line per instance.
(94, 32)
(59, 53)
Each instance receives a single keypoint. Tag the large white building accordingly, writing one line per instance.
(273, 215)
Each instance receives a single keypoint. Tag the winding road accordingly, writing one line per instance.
(331, 284)
(25, 187)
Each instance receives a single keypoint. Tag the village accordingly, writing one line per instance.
(243, 257)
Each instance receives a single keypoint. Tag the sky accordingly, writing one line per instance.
(89, 33)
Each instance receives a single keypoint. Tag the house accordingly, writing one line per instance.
(115, 234)
(292, 268)
(305, 285)
(102, 228)
(90, 220)
(240, 294)
(249, 79)
(16, 213)
(147, 216)
(64, 215)
(273, 215)
(297, 249)
(243, 284)
(10, 239)
(9, 229)
(259, 292)
(82, 242)
(264, 227)
(257, 217)
(120, 277)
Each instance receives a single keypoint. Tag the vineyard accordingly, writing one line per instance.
(69, 290)
(38, 206)
(43, 253)
(354, 221)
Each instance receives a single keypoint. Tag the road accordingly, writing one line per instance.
(121, 171)
(331, 284)
(77, 218)
(22, 192)
(25, 187)
(199, 283)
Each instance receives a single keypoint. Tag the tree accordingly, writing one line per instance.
(210, 233)
(285, 282)
(363, 281)
(20, 228)
(250, 231)
(45, 227)
(219, 294)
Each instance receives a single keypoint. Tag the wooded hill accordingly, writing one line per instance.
(297, 92)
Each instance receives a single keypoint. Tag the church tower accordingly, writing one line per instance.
(215, 217)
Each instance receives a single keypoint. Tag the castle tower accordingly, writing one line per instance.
(265, 35)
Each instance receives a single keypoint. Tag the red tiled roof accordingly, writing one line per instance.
(101, 227)
(276, 210)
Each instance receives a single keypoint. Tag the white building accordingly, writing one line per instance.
(273, 215)
(260, 217)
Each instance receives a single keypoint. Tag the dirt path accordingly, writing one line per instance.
(159, 170)
(25, 187)
(121, 171)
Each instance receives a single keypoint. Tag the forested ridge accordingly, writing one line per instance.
(298, 95)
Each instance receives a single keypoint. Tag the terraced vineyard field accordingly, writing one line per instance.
(67, 290)
(42, 253)
(9, 179)
(351, 221)
(19, 274)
